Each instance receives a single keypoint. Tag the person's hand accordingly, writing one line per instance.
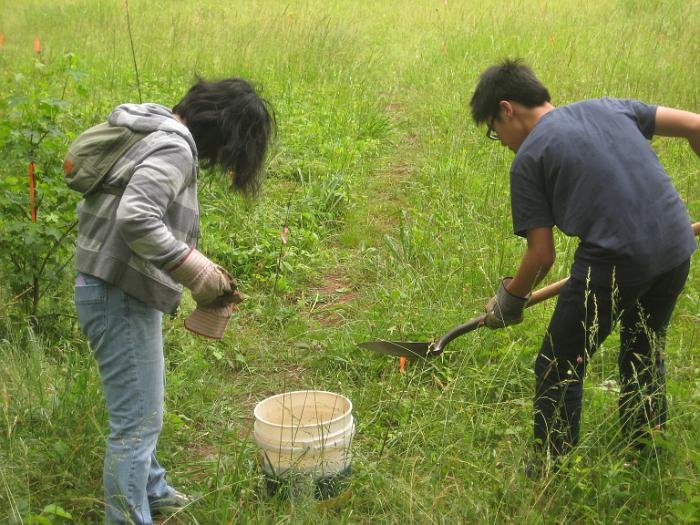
(210, 284)
(504, 309)
(232, 296)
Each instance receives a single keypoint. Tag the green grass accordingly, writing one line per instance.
(399, 222)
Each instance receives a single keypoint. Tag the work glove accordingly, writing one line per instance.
(208, 282)
(504, 308)
(210, 321)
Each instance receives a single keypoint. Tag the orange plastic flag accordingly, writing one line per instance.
(37, 45)
(2, 39)
(402, 364)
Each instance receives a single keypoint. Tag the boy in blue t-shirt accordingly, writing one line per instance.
(587, 168)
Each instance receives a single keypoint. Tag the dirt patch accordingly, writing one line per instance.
(399, 170)
(205, 451)
(335, 289)
(330, 297)
(329, 318)
(392, 109)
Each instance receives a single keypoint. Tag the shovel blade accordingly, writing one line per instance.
(410, 350)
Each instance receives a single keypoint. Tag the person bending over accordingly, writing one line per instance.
(136, 249)
(588, 169)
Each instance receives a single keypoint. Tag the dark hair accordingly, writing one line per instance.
(231, 126)
(509, 80)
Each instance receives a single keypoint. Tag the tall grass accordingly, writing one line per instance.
(399, 221)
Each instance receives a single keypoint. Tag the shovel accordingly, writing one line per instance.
(413, 350)
(433, 348)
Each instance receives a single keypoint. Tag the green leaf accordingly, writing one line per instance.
(76, 75)
(34, 519)
(54, 510)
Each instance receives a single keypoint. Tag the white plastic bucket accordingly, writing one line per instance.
(307, 433)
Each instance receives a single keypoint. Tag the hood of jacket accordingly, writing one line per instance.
(149, 117)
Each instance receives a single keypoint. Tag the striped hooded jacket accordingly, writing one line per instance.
(132, 240)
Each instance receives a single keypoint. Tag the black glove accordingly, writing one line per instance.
(504, 308)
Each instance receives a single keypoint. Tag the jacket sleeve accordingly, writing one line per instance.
(157, 181)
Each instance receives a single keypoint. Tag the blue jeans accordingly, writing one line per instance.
(583, 317)
(126, 338)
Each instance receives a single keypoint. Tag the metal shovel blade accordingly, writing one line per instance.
(413, 350)
(398, 348)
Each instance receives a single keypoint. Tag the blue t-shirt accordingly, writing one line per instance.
(588, 169)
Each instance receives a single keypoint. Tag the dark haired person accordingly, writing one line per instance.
(588, 169)
(137, 248)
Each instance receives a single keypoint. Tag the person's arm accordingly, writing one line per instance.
(678, 123)
(536, 262)
(506, 307)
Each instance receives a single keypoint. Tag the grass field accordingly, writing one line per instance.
(399, 227)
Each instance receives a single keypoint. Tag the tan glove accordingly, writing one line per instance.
(206, 280)
(209, 321)
(504, 308)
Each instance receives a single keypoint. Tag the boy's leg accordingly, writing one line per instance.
(641, 360)
(582, 320)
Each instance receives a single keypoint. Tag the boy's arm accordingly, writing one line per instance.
(506, 307)
(678, 123)
(536, 262)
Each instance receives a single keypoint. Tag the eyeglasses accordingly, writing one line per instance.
(491, 133)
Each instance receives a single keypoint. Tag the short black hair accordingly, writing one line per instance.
(509, 80)
(231, 126)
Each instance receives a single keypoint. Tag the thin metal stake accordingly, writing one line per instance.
(133, 51)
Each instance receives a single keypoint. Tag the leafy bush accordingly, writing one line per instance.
(38, 232)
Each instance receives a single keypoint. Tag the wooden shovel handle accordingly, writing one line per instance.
(553, 289)
(546, 292)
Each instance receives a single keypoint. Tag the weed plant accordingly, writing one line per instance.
(398, 222)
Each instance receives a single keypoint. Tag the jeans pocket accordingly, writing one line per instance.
(90, 303)
(89, 290)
